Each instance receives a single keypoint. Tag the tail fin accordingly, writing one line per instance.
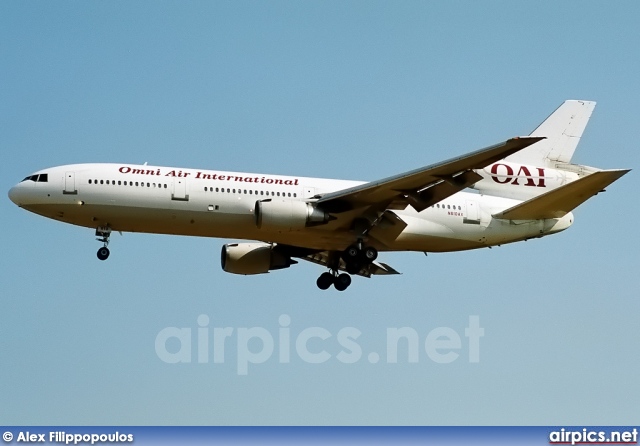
(562, 131)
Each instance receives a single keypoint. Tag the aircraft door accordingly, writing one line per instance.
(70, 183)
(180, 191)
(471, 213)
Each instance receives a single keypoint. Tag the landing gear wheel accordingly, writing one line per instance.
(325, 281)
(342, 282)
(103, 253)
(370, 253)
(352, 252)
(103, 233)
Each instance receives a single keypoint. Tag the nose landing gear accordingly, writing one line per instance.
(103, 233)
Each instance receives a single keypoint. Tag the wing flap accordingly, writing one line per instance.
(559, 202)
(388, 227)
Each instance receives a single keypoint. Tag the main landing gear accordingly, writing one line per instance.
(355, 258)
(340, 281)
(103, 233)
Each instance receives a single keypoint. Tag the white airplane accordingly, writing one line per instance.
(524, 188)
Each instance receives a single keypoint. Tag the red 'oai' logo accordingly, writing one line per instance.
(523, 173)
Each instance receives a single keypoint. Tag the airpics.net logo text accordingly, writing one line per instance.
(206, 344)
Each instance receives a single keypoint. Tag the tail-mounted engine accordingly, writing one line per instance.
(288, 215)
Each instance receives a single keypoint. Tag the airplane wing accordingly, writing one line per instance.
(375, 268)
(425, 186)
(559, 202)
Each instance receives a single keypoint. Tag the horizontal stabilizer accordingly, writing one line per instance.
(561, 201)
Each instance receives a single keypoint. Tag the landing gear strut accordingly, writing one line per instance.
(102, 235)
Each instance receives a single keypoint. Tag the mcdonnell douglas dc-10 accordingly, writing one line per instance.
(525, 188)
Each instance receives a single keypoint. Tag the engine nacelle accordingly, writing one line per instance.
(287, 215)
(253, 258)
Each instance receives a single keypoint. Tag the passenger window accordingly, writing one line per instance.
(294, 195)
(216, 189)
(89, 181)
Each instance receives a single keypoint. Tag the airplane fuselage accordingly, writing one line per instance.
(167, 200)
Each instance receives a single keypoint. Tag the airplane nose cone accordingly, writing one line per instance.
(13, 194)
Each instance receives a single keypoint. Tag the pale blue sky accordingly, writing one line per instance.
(354, 90)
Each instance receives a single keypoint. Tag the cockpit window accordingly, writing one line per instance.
(42, 178)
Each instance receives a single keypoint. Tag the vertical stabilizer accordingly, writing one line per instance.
(562, 131)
